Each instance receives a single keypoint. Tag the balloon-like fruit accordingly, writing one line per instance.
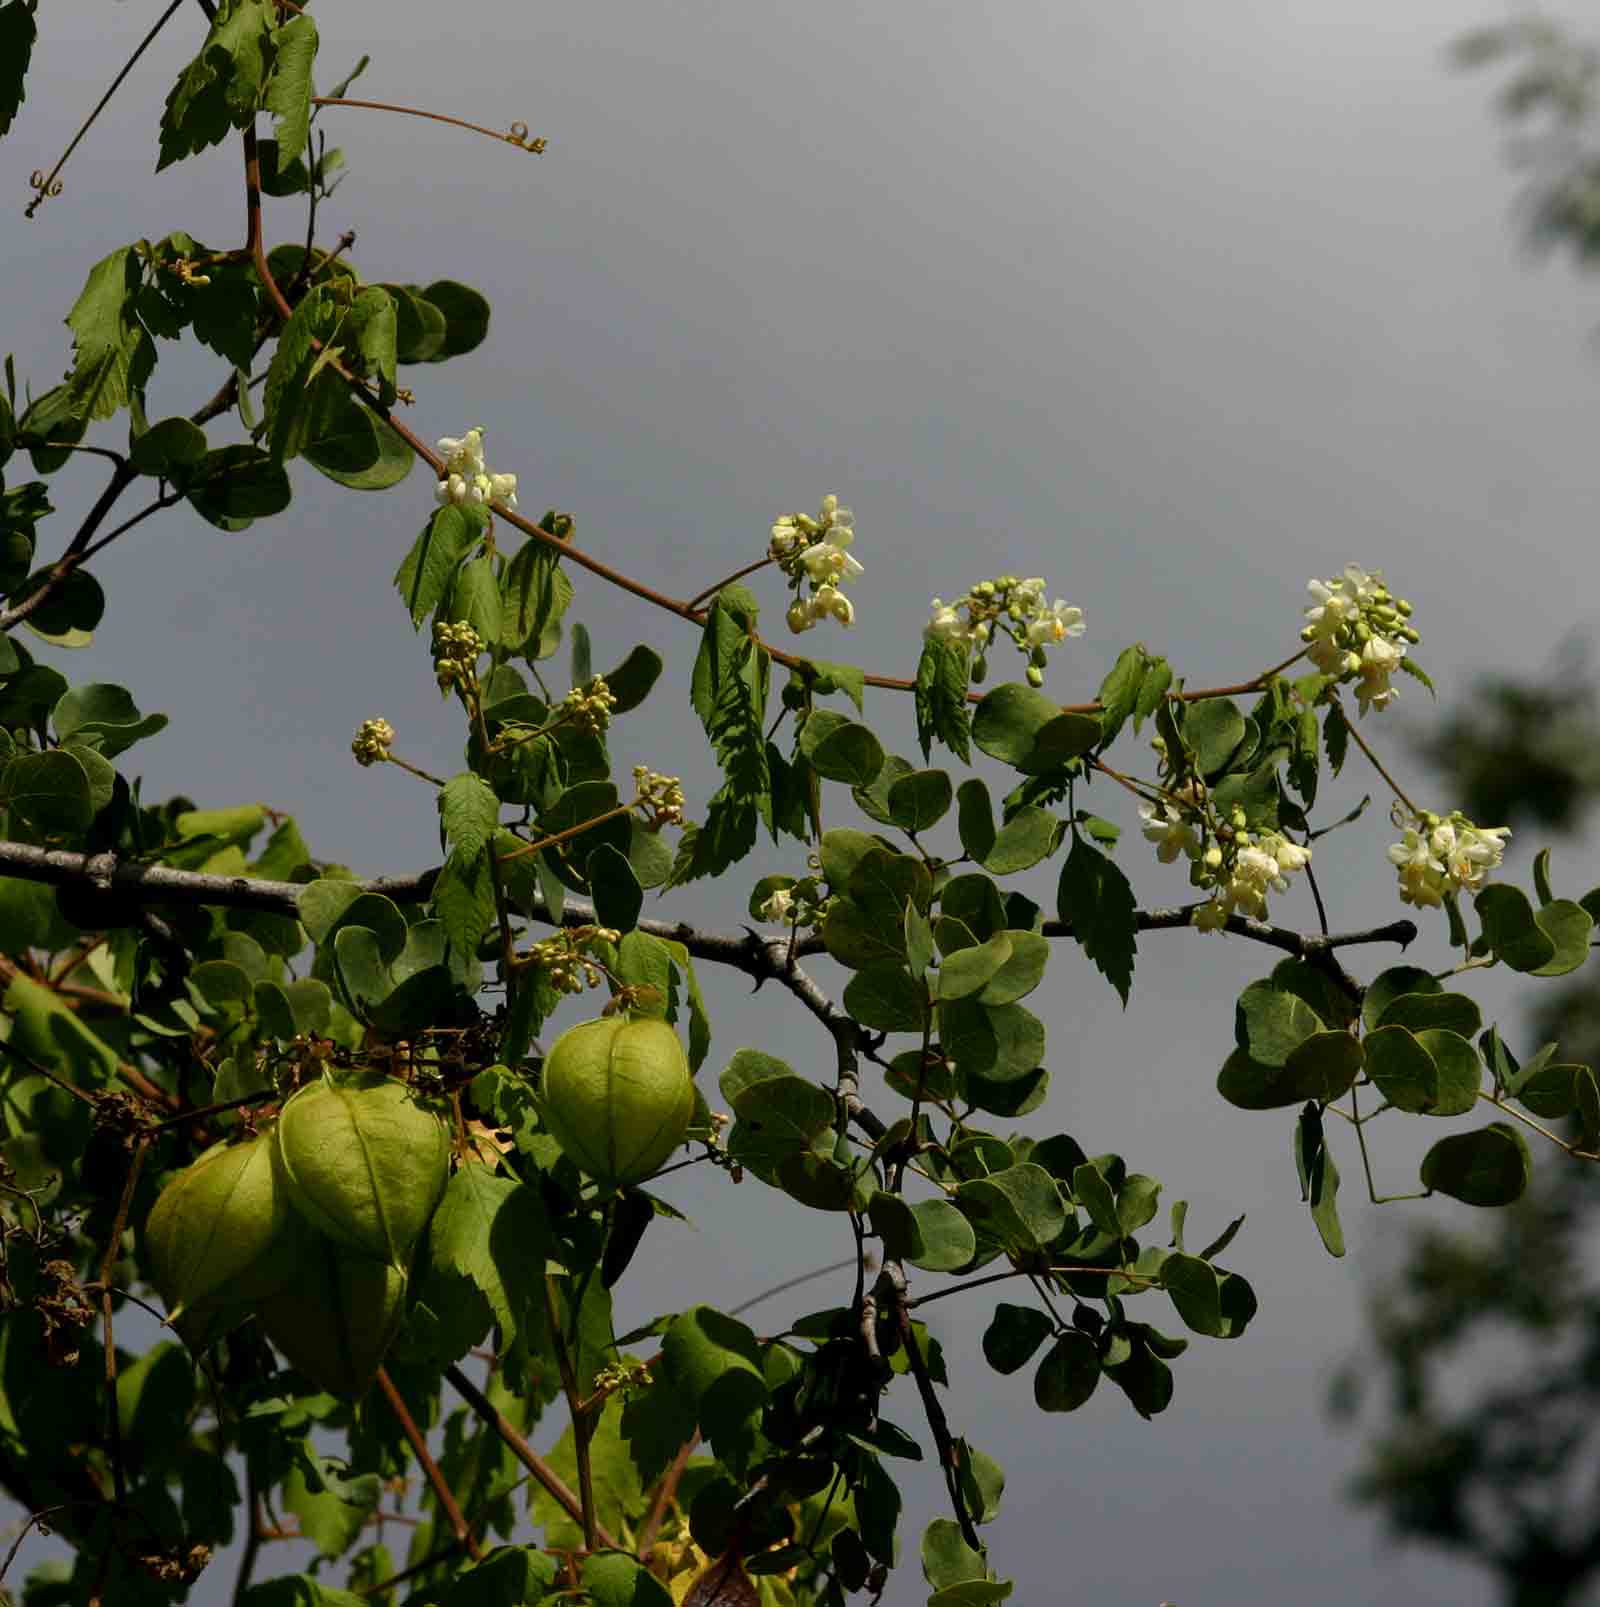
(221, 1236)
(618, 1096)
(337, 1319)
(365, 1163)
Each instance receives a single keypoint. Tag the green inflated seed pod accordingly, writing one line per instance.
(365, 1163)
(617, 1095)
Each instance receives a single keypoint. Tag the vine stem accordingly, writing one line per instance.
(544, 1475)
(582, 1425)
(535, 147)
(119, 1476)
(44, 185)
(252, 1539)
(458, 1524)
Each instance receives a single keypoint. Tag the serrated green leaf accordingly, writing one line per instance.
(469, 813)
(494, 1231)
(941, 698)
(1095, 899)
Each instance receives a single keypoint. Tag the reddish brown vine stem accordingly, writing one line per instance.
(458, 1524)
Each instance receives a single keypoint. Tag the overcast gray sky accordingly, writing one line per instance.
(1175, 305)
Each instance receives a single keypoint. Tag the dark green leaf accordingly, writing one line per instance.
(919, 800)
(1013, 1335)
(1031, 834)
(1068, 1374)
(1489, 1167)
(618, 897)
(466, 317)
(17, 33)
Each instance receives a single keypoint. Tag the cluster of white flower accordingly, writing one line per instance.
(466, 477)
(1239, 866)
(816, 550)
(1441, 856)
(1261, 863)
(1357, 629)
(1011, 607)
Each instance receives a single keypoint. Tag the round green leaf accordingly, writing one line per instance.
(968, 970)
(1390, 985)
(1030, 835)
(948, 1242)
(1402, 1069)
(172, 444)
(850, 753)
(1460, 1072)
(466, 317)
(887, 998)
(1022, 971)
(1213, 728)
(919, 800)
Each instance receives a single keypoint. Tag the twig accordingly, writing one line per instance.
(458, 1524)
(894, 1277)
(121, 478)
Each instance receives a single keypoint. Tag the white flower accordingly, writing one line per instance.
(451, 489)
(777, 907)
(1169, 831)
(828, 561)
(503, 488)
(1380, 658)
(946, 625)
(1055, 625)
(1290, 856)
(463, 455)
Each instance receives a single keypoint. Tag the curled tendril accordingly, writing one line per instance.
(518, 136)
(48, 188)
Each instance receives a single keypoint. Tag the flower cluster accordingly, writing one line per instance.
(466, 478)
(1260, 863)
(1008, 606)
(661, 796)
(373, 741)
(1239, 866)
(1358, 630)
(456, 649)
(1442, 855)
(589, 707)
(564, 960)
(816, 550)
